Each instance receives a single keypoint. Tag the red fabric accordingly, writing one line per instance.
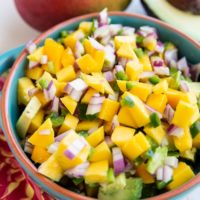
(14, 182)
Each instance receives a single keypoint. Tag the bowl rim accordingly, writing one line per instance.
(25, 163)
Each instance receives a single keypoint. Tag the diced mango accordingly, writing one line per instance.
(161, 87)
(138, 112)
(24, 85)
(87, 64)
(108, 128)
(60, 87)
(101, 152)
(125, 118)
(69, 103)
(85, 27)
(45, 76)
(70, 122)
(181, 175)
(67, 58)
(39, 154)
(66, 74)
(145, 62)
(86, 125)
(99, 57)
(122, 85)
(34, 73)
(133, 69)
(88, 47)
(156, 134)
(88, 95)
(70, 41)
(136, 146)
(40, 139)
(36, 121)
(121, 135)
(110, 105)
(120, 40)
(42, 99)
(54, 51)
(126, 51)
(157, 101)
(97, 172)
(96, 137)
(150, 43)
(184, 114)
(144, 174)
(36, 55)
(51, 169)
(184, 142)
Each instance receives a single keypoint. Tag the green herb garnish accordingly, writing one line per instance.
(77, 181)
(139, 52)
(121, 76)
(155, 120)
(83, 133)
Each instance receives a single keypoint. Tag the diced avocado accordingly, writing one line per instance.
(157, 160)
(132, 190)
(175, 82)
(194, 87)
(111, 175)
(28, 114)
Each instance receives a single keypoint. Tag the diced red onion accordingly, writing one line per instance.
(129, 166)
(119, 68)
(146, 75)
(147, 30)
(97, 100)
(79, 49)
(2, 82)
(28, 147)
(109, 58)
(148, 40)
(168, 113)
(96, 44)
(93, 129)
(115, 122)
(164, 142)
(51, 90)
(105, 40)
(170, 55)
(114, 96)
(183, 86)
(103, 18)
(109, 76)
(102, 32)
(96, 95)
(175, 130)
(159, 174)
(93, 109)
(78, 171)
(162, 71)
(160, 47)
(157, 61)
(44, 59)
(46, 94)
(60, 137)
(44, 132)
(118, 160)
(151, 53)
(171, 161)
(32, 64)
(76, 95)
(31, 47)
(123, 61)
(55, 104)
(109, 141)
(182, 64)
(128, 31)
(167, 173)
(75, 148)
(115, 28)
(53, 147)
(151, 110)
(32, 92)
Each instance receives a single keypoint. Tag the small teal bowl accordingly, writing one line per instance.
(10, 111)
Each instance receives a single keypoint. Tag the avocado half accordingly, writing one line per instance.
(188, 22)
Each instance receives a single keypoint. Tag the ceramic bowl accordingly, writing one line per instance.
(10, 110)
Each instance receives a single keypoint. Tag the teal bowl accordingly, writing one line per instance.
(10, 111)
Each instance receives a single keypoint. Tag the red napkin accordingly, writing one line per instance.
(14, 182)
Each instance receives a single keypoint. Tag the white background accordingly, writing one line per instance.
(14, 31)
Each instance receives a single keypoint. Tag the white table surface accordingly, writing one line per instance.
(14, 31)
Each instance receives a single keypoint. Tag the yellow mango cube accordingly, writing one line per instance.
(156, 133)
(89, 49)
(86, 125)
(133, 69)
(150, 43)
(34, 73)
(157, 101)
(67, 58)
(42, 99)
(43, 136)
(184, 142)
(136, 146)
(51, 169)
(110, 105)
(145, 62)
(101, 152)
(70, 122)
(87, 64)
(69, 103)
(85, 27)
(161, 87)
(54, 51)
(36, 121)
(70, 41)
(121, 135)
(184, 114)
(39, 154)
(60, 87)
(97, 172)
(126, 51)
(120, 40)
(66, 74)
(138, 112)
(36, 55)
(99, 57)
(88, 95)
(96, 137)
(144, 174)
(122, 85)
(181, 175)
(24, 85)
